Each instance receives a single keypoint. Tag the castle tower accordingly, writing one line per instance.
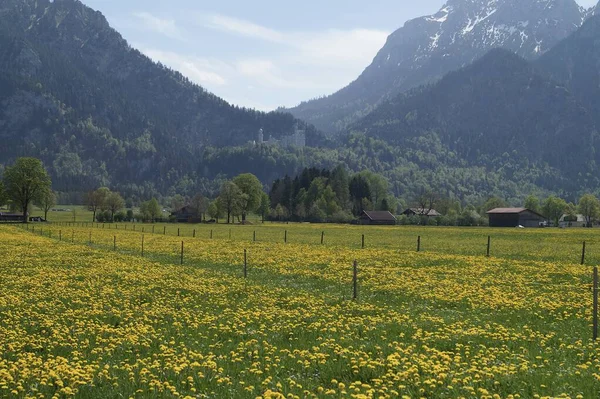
(261, 136)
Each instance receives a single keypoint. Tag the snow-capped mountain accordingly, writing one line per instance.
(426, 48)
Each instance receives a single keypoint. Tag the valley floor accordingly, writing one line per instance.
(85, 313)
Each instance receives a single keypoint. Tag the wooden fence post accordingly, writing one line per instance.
(285, 237)
(245, 264)
(363, 241)
(595, 310)
(254, 239)
(153, 229)
(59, 235)
(419, 244)
(583, 254)
(182, 252)
(322, 237)
(114, 243)
(355, 281)
(489, 246)
(211, 234)
(73, 237)
(90, 238)
(178, 232)
(164, 230)
(194, 234)
(142, 245)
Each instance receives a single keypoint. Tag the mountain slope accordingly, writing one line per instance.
(427, 48)
(575, 62)
(495, 111)
(74, 93)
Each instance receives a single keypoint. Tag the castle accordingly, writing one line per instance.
(296, 139)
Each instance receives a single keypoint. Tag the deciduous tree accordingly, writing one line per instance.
(46, 201)
(230, 199)
(554, 208)
(251, 189)
(589, 207)
(26, 181)
(114, 203)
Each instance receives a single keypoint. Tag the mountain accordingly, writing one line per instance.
(575, 62)
(98, 112)
(427, 48)
(499, 112)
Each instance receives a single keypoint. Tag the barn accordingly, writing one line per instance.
(514, 217)
(380, 218)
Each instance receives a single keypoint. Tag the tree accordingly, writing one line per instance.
(95, 200)
(493, 203)
(26, 181)
(3, 195)
(340, 183)
(200, 204)
(251, 187)
(265, 206)
(150, 210)
(533, 203)
(214, 211)
(554, 208)
(589, 207)
(426, 202)
(114, 203)
(46, 201)
(230, 199)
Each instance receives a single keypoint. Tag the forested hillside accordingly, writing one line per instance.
(97, 112)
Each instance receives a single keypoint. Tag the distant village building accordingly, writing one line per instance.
(514, 217)
(432, 213)
(296, 139)
(572, 221)
(10, 217)
(187, 214)
(379, 218)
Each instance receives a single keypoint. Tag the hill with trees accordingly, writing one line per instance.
(98, 112)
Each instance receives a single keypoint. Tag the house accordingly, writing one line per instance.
(10, 217)
(432, 213)
(187, 214)
(514, 217)
(379, 218)
(572, 221)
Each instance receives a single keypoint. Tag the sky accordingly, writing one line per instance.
(264, 54)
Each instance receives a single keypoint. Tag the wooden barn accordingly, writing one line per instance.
(10, 217)
(515, 217)
(377, 218)
(187, 214)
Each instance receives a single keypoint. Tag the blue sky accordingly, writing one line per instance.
(264, 53)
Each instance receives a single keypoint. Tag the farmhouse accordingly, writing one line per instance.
(379, 218)
(187, 214)
(572, 221)
(10, 217)
(432, 213)
(513, 217)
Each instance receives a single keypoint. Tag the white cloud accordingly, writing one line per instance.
(199, 70)
(241, 27)
(166, 27)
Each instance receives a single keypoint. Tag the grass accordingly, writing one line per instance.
(78, 319)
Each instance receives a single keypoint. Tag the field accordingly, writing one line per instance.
(81, 319)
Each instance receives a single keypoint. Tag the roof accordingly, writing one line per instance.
(423, 212)
(578, 218)
(506, 210)
(380, 216)
(511, 211)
